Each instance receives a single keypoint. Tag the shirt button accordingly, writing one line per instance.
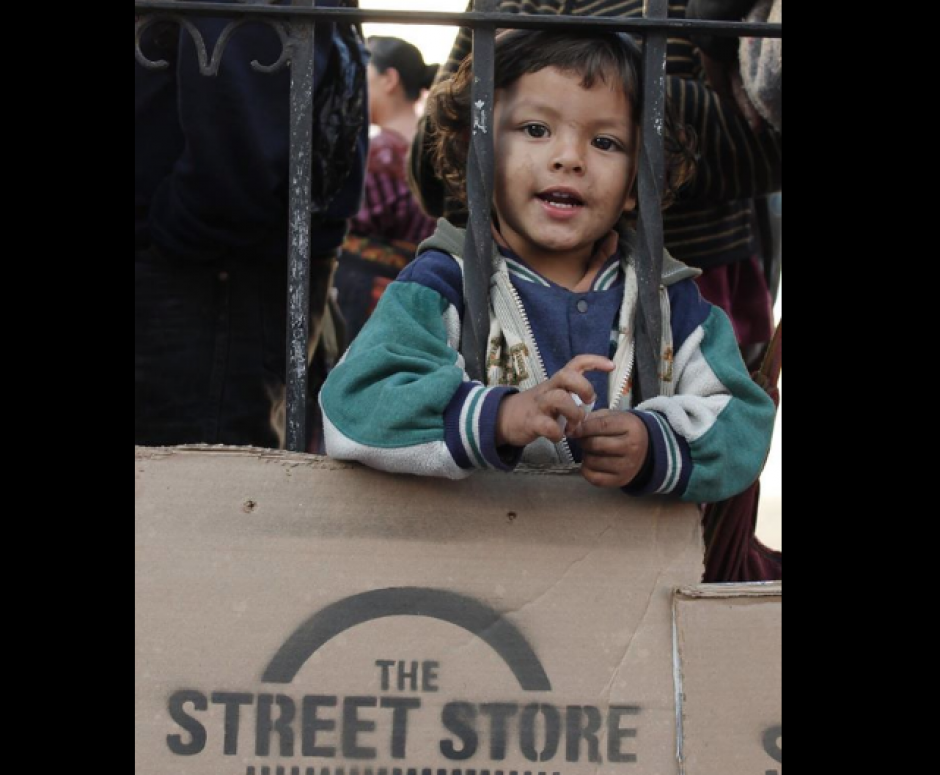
(582, 306)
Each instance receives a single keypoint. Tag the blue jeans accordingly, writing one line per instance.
(209, 348)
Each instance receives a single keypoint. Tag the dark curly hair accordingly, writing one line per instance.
(594, 56)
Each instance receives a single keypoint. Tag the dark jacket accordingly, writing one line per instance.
(211, 154)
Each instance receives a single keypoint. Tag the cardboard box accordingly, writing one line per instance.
(299, 616)
(729, 642)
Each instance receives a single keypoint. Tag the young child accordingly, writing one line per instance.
(563, 304)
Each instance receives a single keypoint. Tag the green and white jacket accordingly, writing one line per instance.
(400, 400)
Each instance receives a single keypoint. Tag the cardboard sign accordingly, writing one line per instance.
(729, 648)
(299, 616)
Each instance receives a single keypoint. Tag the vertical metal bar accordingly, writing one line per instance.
(298, 273)
(479, 240)
(650, 187)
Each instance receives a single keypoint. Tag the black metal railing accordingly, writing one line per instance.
(294, 24)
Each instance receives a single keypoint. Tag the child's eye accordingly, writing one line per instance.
(606, 144)
(535, 130)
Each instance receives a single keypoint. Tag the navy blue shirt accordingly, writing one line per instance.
(566, 324)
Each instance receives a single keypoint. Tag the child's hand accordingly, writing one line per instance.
(526, 416)
(615, 446)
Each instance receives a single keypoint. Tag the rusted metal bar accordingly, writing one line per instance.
(298, 267)
(650, 188)
(478, 244)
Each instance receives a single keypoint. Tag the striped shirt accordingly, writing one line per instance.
(389, 210)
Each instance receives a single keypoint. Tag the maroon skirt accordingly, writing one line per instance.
(740, 289)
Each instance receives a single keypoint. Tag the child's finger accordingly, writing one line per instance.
(569, 409)
(548, 427)
(604, 479)
(572, 378)
(615, 466)
(574, 382)
(604, 446)
(588, 362)
(605, 423)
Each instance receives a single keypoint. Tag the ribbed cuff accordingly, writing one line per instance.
(470, 428)
(669, 462)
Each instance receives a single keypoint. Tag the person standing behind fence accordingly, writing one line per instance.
(388, 227)
(748, 70)
(212, 189)
(711, 226)
(562, 305)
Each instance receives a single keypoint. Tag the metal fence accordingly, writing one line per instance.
(294, 24)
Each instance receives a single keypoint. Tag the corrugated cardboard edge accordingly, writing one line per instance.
(749, 589)
(759, 589)
(293, 458)
(312, 461)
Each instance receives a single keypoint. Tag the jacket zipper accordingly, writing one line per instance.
(622, 384)
(541, 374)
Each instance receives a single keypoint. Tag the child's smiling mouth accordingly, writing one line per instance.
(561, 201)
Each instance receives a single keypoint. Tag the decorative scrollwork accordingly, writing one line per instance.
(209, 66)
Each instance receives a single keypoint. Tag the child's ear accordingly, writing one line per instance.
(633, 190)
(630, 205)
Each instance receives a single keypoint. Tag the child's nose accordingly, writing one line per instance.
(568, 156)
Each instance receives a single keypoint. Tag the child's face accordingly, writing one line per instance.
(565, 164)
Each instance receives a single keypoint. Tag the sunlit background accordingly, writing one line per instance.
(435, 43)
